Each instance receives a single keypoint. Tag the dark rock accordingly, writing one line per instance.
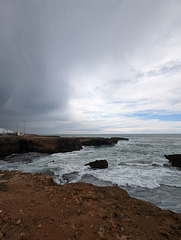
(48, 144)
(100, 141)
(68, 177)
(175, 159)
(10, 145)
(98, 164)
(116, 139)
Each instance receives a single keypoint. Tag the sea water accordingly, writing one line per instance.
(137, 165)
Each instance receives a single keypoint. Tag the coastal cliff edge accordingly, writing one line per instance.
(33, 207)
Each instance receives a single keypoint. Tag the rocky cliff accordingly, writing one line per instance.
(42, 144)
(33, 207)
(98, 141)
(9, 145)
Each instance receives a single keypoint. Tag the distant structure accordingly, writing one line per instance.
(5, 132)
(19, 133)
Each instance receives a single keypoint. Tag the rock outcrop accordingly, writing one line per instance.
(33, 207)
(43, 144)
(175, 159)
(9, 145)
(98, 164)
(98, 141)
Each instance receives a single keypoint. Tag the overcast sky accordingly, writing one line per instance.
(90, 66)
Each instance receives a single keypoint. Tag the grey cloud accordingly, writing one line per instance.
(42, 42)
(170, 67)
(32, 78)
(116, 82)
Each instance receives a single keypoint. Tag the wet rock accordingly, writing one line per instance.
(68, 177)
(98, 164)
(175, 159)
(48, 144)
(100, 141)
(11, 145)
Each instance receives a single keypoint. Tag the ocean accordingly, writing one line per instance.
(137, 165)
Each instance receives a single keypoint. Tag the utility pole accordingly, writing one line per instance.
(17, 127)
(24, 126)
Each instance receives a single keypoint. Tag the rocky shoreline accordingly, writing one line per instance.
(33, 207)
(47, 144)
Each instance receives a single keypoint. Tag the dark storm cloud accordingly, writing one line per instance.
(32, 79)
(40, 42)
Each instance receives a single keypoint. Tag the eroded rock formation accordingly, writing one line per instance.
(9, 145)
(41, 144)
(100, 141)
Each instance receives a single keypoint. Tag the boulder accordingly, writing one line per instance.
(175, 159)
(98, 164)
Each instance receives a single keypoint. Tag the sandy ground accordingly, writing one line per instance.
(32, 207)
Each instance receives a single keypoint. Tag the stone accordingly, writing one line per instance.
(175, 159)
(18, 222)
(98, 164)
(22, 236)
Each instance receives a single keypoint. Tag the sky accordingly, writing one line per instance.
(90, 66)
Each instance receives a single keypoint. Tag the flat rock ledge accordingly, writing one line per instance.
(33, 207)
(47, 144)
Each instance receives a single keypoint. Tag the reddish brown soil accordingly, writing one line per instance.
(33, 207)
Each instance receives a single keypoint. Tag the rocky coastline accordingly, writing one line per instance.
(48, 144)
(33, 207)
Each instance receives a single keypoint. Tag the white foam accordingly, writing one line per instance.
(130, 164)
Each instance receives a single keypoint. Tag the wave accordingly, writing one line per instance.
(98, 179)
